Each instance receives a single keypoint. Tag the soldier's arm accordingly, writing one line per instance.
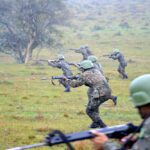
(73, 64)
(78, 50)
(54, 64)
(116, 56)
(76, 83)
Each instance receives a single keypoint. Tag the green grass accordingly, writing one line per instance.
(31, 107)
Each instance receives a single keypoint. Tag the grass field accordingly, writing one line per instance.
(31, 107)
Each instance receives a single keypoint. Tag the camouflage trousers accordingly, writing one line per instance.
(92, 108)
(121, 70)
(65, 84)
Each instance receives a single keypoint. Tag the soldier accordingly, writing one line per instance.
(98, 92)
(84, 50)
(96, 64)
(140, 96)
(122, 63)
(64, 65)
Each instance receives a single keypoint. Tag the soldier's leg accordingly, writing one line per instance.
(66, 85)
(125, 76)
(121, 69)
(92, 111)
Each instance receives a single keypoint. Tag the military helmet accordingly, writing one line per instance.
(86, 64)
(140, 90)
(86, 46)
(61, 57)
(92, 58)
(116, 51)
(82, 47)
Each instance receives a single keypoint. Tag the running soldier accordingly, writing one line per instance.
(140, 96)
(98, 92)
(84, 50)
(65, 66)
(117, 55)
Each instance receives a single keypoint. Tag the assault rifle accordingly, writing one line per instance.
(108, 55)
(74, 49)
(57, 137)
(60, 77)
(45, 60)
(64, 77)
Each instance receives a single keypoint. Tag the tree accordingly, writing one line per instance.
(27, 24)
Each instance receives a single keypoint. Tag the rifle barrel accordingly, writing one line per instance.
(28, 146)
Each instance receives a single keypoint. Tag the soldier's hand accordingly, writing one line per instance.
(129, 137)
(65, 78)
(98, 140)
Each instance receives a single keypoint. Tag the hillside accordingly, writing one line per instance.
(108, 24)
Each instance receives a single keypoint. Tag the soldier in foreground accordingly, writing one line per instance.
(117, 55)
(84, 50)
(98, 92)
(140, 96)
(65, 66)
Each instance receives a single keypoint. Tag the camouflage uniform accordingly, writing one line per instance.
(122, 63)
(98, 66)
(98, 93)
(143, 142)
(85, 51)
(64, 65)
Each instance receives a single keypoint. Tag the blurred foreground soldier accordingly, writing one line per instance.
(117, 55)
(140, 96)
(98, 92)
(65, 66)
(84, 50)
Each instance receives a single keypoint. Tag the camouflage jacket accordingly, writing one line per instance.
(120, 58)
(143, 142)
(94, 79)
(62, 64)
(98, 66)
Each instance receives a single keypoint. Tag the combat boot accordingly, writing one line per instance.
(125, 76)
(94, 125)
(114, 99)
(67, 89)
(101, 124)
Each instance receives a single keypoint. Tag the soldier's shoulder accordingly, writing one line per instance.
(147, 121)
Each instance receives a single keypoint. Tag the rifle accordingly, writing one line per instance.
(63, 77)
(107, 55)
(74, 49)
(57, 137)
(45, 60)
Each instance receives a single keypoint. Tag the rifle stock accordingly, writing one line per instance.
(116, 132)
